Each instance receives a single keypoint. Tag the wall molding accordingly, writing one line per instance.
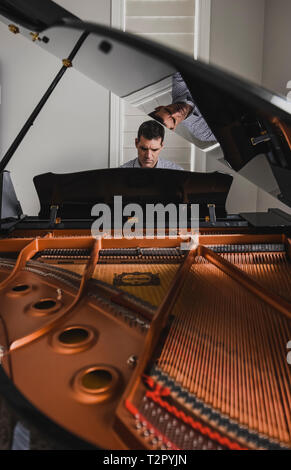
(150, 92)
(202, 30)
(116, 114)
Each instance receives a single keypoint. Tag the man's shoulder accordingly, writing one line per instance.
(169, 165)
(162, 163)
(129, 164)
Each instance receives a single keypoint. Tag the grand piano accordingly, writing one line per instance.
(132, 340)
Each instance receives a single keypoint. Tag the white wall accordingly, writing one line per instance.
(72, 131)
(237, 35)
(277, 50)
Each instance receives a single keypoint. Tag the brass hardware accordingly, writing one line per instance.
(67, 63)
(136, 279)
(14, 29)
(34, 36)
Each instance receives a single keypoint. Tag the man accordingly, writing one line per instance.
(183, 111)
(149, 144)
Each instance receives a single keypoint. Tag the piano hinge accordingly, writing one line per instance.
(212, 214)
(34, 36)
(13, 28)
(67, 63)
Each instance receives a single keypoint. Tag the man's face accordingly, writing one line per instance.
(148, 151)
(172, 114)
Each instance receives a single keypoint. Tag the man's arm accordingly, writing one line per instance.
(180, 91)
(194, 122)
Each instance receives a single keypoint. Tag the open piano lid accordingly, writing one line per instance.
(32, 14)
(247, 120)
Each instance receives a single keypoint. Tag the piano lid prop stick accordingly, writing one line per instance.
(29, 123)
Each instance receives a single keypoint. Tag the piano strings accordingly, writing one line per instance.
(228, 348)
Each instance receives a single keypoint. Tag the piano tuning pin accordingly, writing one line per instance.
(210, 445)
(200, 440)
(195, 444)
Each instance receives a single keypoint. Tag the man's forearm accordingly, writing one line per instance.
(180, 91)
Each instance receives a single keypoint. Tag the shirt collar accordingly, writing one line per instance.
(136, 164)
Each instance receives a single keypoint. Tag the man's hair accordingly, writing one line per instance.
(151, 130)
(155, 116)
